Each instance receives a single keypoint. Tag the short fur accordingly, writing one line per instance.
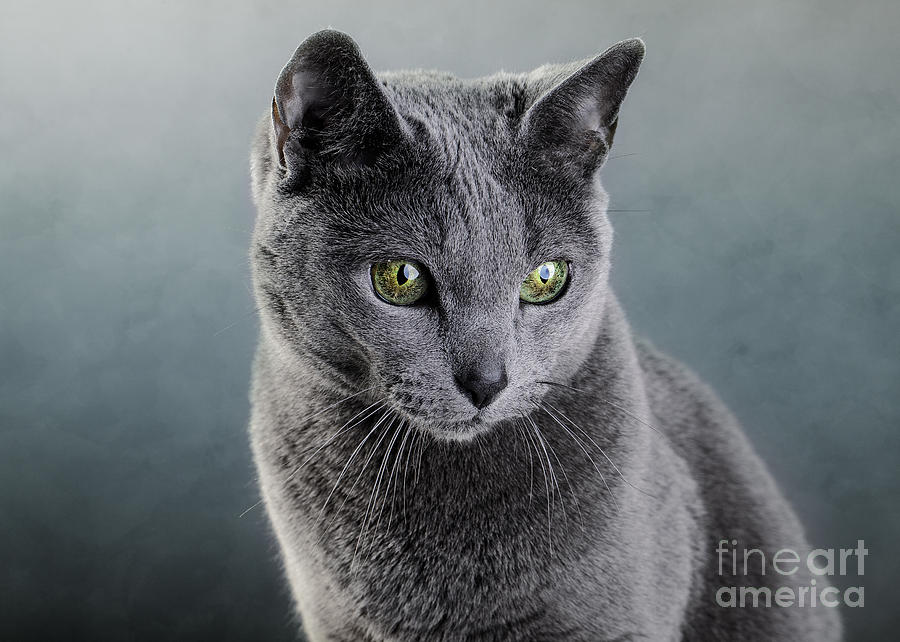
(402, 511)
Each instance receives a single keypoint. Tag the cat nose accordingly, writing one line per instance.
(483, 383)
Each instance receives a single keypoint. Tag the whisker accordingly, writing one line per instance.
(336, 403)
(602, 452)
(376, 486)
(530, 464)
(568, 483)
(546, 443)
(387, 488)
(345, 428)
(365, 465)
(247, 510)
(246, 316)
(584, 450)
(393, 483)
(421, 453)
(530, 437)
(633, 416)
(349, 461)
(417, 437)
(609, 403)
(546, 490)
(554, 480)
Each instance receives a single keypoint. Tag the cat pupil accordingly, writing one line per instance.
(406, 273)
(545, 272)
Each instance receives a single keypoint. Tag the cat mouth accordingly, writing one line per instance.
(460, 431)
(452, 424)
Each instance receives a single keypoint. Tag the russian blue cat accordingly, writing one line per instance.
(457, 435)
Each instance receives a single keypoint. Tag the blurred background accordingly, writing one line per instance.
(760, 143)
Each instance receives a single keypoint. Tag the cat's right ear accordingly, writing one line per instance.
(330, 107)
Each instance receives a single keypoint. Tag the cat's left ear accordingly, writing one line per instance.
(575, 120)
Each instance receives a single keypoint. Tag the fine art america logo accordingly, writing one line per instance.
(739, 567)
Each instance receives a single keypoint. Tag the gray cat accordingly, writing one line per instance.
(457, 435)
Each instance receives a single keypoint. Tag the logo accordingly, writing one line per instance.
(735, 563)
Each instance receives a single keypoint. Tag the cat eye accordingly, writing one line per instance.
(401, 282)
(545, 282)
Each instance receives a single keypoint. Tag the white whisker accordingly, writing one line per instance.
(376, 485)
(602, 452)
(376, 406)
(521, 430)
(546, 490)
(349, 461)
(568, 483)
(553, 477)
(346, 427)
(394, 481)
(609, 403)
(584, 450)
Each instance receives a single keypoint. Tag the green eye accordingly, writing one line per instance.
(399, 282)
(545, 282)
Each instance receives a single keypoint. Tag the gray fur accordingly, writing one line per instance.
(443, 525)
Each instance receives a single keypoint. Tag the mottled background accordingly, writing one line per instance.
(761, 138)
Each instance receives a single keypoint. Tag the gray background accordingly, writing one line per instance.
(761, 137)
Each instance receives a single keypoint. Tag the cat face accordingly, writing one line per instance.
(442, 242)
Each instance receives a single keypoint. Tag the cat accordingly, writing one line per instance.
(457, 435)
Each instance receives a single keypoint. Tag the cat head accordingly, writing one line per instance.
(440, 241)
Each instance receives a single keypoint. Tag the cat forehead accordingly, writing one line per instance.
(432, 215)
(464, 150)
(443, 92)
(474, 115)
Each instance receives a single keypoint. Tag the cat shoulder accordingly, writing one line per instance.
(679, 398)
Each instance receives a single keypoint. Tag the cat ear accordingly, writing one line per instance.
(328, 103)
(575, 120)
